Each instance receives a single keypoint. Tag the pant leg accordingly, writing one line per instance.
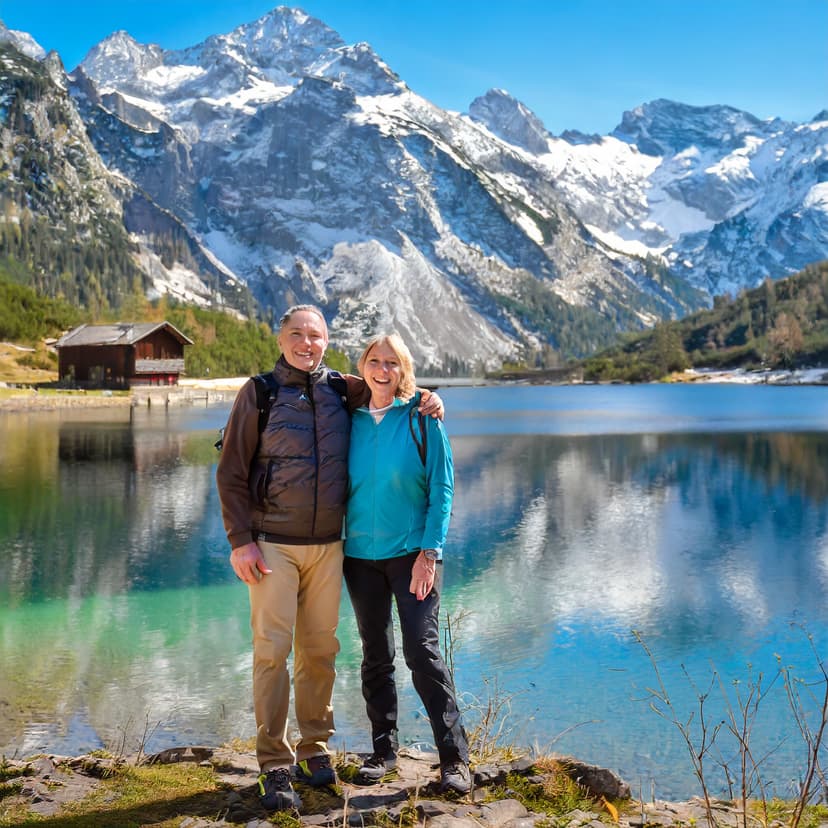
(273, 603)
(320, 588)
(371, 599)
(419, 623)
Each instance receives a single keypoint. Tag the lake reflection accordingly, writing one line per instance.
(119, 611)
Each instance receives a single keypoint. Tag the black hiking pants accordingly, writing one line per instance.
(371, 585)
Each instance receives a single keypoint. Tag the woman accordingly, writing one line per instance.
(399, 505)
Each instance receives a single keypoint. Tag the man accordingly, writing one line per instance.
(283, 495)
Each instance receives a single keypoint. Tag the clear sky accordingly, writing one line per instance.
(578, 64)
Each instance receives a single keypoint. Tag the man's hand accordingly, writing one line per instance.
(422, 576)
(248, 563)
(430, 404)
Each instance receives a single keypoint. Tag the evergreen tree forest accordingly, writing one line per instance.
(223, 344)
(782, 324)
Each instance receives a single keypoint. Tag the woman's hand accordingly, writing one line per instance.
(422, 576)
(431, 404)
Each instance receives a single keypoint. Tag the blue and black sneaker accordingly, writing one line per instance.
(275, 791)
(316, 771)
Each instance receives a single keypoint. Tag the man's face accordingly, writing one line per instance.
(303, 340)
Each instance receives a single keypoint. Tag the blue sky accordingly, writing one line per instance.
(578, 64)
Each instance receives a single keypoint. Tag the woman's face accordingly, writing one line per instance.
(382, 372)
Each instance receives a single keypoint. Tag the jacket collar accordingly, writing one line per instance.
(286, 374)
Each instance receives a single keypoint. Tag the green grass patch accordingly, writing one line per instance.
(10, 789)
(158, 795)
(9, 771)
(780, 811)
(555, 796)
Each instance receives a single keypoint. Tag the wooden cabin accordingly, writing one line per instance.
(121, 355)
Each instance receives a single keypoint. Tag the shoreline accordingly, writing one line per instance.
(205, 391)
(55, 785)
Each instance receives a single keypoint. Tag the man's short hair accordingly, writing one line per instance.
(288, 315)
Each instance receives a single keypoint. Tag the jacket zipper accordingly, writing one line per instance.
(309, 395)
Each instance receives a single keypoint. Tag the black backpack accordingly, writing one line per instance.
(267, 389)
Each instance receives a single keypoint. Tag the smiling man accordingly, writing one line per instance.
(283, 485)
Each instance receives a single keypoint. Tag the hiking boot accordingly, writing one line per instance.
(275, 791)
(455, 778)
(377, 766)
(316, 771)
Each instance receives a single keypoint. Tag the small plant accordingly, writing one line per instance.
(740, 719)
(812, 736)
(699, 741)
(119, 749)
(486, 719)
(451, 643)
(491, 726)
(700, 737)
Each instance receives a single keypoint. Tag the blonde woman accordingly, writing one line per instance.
(401, 484)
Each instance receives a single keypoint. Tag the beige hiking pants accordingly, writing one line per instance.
(300, 598)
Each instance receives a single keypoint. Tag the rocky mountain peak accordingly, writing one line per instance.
(284, 38)
(22, 41)
(119, 58)
(664, 127)
(510, 120)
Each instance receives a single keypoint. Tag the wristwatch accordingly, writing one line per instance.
(431, 554)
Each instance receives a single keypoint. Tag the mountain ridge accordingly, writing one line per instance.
(304, 169)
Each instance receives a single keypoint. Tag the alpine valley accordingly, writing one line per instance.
(277, 164)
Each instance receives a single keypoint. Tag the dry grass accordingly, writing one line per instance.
(16, 365)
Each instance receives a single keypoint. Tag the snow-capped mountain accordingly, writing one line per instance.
(304, 168)
(723, 199)
(313, 173)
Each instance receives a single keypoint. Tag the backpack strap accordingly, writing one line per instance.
(422, 443)
(266, 390)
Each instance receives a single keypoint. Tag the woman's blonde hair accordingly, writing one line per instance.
(408, 384)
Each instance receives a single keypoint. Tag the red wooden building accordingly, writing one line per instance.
(121, 355)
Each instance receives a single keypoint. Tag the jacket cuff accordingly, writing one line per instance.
(240, 539)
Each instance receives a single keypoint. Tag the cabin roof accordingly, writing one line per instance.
(119, 333)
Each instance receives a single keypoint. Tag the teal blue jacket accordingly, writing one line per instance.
(396, 504)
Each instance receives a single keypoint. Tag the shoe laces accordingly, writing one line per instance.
(279, 778)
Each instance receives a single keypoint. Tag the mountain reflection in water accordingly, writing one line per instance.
(119, 611)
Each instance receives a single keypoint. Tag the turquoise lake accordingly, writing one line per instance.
(592, 525)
